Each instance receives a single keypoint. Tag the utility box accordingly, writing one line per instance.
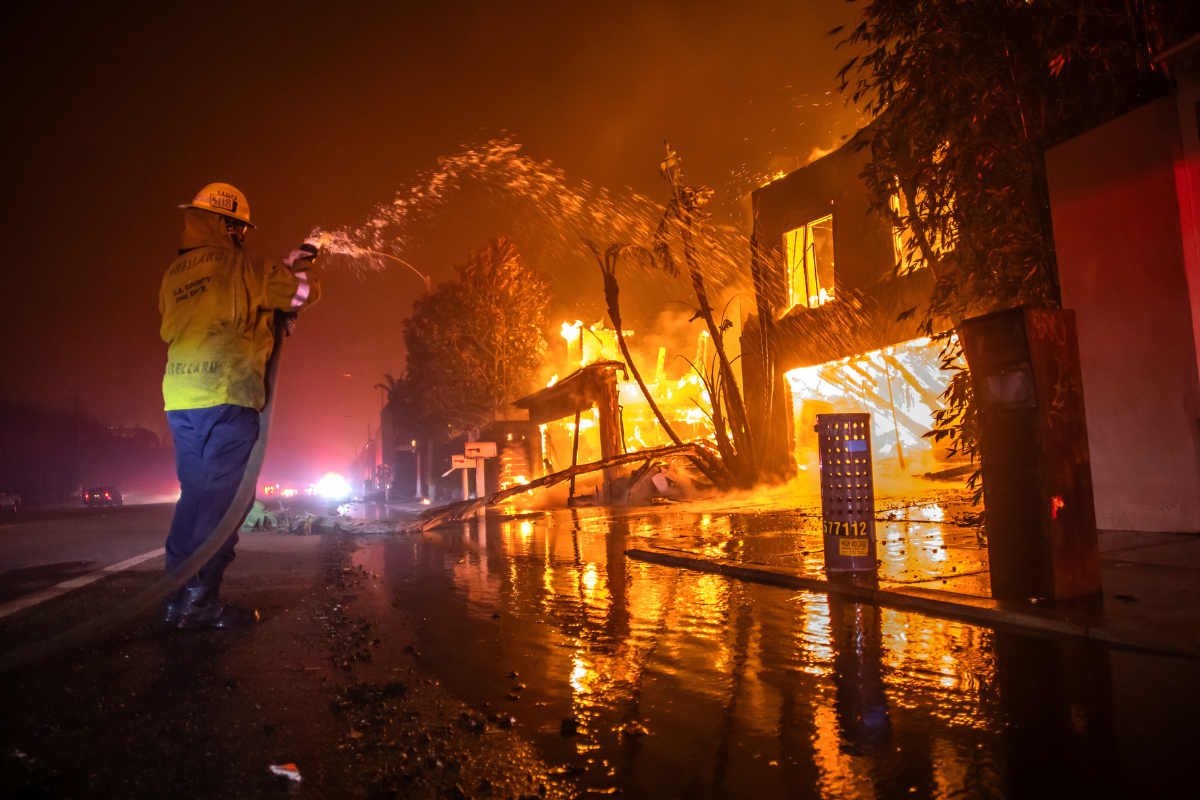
(847, 492)
(1037, 478)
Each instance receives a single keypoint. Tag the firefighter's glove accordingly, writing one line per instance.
(289, 323)
(295, 259)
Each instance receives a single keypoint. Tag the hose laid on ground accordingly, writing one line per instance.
(154, 595)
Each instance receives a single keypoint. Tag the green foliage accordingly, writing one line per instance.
(474, 344)
(967, 97)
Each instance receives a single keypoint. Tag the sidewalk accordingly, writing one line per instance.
(934, 561)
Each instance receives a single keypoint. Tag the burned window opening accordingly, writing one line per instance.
(808, 254)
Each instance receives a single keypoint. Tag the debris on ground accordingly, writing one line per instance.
(403, 736)
(260, 519)
(465, 508)
(655, 481)
(288, 771)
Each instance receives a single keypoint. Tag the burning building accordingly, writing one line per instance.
(597, 411)
(841, 319)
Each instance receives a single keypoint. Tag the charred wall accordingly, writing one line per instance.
(862, 240)
(870, 297)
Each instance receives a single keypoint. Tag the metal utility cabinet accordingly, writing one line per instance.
(847, 492)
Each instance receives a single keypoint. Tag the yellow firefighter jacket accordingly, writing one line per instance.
(218, 303)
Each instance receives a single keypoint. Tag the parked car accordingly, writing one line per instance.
(9, 501)
(102, 496)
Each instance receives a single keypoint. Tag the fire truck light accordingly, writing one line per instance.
(332, 486)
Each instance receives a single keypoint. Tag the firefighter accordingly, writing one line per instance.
(218, 305)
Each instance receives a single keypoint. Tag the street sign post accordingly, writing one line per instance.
(476, 452)
(464, 463)
(479, 451)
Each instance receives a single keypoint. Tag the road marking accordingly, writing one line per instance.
(28, 600)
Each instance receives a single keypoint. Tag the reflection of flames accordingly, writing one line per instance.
(688, 628)
(900, 386)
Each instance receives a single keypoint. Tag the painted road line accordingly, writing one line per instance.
(83, 580)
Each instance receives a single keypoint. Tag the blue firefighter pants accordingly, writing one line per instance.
(212, 447)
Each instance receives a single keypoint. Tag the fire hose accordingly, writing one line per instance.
(152, 597)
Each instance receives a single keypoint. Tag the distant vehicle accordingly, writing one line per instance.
(102, 496)
(9, 501)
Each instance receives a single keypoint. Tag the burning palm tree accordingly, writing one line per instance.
(735, 461)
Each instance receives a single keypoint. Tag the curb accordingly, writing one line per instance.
(932, 605)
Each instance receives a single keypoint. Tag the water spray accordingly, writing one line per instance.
(339, 243)
(537, 206)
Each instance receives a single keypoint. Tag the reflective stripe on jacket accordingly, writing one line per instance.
(217, 303)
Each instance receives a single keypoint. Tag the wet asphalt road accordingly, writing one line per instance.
(528, 656)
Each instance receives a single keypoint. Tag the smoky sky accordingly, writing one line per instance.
(116, 113)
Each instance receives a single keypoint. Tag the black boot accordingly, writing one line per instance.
(170, 610)
(203, 608)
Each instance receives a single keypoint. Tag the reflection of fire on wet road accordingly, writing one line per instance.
(921, 541)
(743, 689)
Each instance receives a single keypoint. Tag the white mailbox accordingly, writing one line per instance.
(480, 450)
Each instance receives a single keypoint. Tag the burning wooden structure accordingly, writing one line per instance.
(590, 386)
(841, 321)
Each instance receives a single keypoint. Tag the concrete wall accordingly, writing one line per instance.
(1122, 265)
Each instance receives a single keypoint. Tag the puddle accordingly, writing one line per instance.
(689, 684)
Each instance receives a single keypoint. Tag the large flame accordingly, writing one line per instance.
(899, 386)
